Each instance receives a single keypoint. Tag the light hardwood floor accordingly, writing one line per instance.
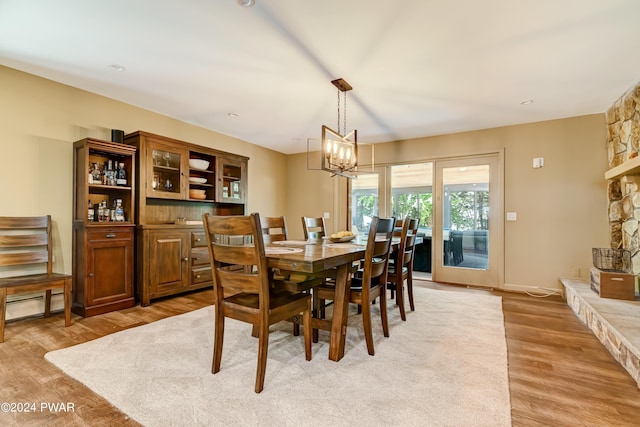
(559, 374)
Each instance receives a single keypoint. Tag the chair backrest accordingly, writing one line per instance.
(412, 235)
(401, 253)
(314, 228)
(25, 244)
(274, 229)
(238, 264)
(376, 258)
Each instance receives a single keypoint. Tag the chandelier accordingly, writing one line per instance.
(340, 151)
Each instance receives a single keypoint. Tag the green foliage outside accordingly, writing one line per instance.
(415, 205)
(468, 209)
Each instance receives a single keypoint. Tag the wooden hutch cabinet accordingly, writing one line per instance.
(177, 183)
(103, 226)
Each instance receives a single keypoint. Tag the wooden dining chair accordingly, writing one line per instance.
(240, 272)
(369, 282)
(397, 273)
(412, 239)
(26, 264)
(274, 229)
(314, 228)
(401, 270)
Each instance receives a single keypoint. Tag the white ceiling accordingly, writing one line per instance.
(417, 67)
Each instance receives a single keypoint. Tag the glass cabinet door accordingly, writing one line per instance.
(231, 178)
(165, 179)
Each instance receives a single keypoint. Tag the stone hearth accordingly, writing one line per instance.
(614, 322)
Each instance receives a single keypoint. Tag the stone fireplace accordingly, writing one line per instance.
(615, 322)
(623, 147)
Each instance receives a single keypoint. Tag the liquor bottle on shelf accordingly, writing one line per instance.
(112, 176)
(119, 211)
(97, 176)
(90, 212)
(122, 175)
(105, 174)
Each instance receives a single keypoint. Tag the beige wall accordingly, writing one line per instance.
(40, 120)
(562, 207)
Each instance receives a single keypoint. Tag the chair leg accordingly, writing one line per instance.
(296, 329)
(47, 303)
(218, 338)
(410, 290)
(400, 300)
(383, 310)
(67, 302)
(316, 314)
(3, 311)
(306, 325)
(263, 349)
(366, 323)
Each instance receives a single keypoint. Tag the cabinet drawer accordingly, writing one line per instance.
(199, 256)
(98, 235)
(198, 239)
(201, 275)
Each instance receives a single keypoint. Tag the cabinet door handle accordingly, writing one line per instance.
(110, 235)
(185, 259)
(198, 240)
(90, 274)
(198, 276)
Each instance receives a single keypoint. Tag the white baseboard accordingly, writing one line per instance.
(31, 305)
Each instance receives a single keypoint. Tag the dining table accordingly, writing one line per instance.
(315, 258)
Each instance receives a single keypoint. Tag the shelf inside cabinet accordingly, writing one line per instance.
(108, 187)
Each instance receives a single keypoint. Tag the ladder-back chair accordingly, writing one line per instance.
(26, 264)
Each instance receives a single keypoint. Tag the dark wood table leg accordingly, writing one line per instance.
(340, 310)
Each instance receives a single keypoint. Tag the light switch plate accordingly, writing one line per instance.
(326, 215)
(512, 216)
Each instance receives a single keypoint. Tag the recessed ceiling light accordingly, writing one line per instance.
(118, 67)
(232, 115)
(526, 102)
(246, 3)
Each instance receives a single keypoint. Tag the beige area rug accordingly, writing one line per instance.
(445, 366)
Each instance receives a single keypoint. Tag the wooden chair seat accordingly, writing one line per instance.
(25, 242)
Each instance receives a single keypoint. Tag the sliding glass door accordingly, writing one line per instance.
(468, 218)
(459, 205)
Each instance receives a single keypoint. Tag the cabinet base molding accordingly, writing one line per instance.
(103, 308)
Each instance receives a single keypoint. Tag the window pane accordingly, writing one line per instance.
(364, 201)
(465, 215)
(411, 192)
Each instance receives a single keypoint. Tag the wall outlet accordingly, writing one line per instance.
(326, 215)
